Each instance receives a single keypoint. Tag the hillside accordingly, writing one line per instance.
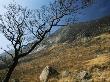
(93, 56)
(73, 32)
(79, 30)
(71, 49)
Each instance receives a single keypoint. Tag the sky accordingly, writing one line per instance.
(32, 4)
(102, 8)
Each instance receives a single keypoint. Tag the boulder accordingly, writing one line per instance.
(65, 73)
(85, 75)
(47, 73)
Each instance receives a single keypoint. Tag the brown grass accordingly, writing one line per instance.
(70, 57)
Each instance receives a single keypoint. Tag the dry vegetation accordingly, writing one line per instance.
(93, 55)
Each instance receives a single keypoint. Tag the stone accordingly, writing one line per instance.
(47, 73)
(65, 73)
(85, 75)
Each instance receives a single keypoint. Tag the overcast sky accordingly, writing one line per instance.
(102, 8)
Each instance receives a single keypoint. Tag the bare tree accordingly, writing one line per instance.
(22, 26)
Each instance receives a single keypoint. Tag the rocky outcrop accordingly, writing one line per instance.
(48, 72)
(84, 75)
(65, 74)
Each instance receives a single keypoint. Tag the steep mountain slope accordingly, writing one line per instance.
(79, 47)
(82, 29)
(93, 56)
(76, 31)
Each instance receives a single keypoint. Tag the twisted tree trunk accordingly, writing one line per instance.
(11, 69)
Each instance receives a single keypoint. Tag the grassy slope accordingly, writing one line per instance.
(92, 55)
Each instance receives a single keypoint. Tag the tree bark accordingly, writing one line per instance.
(11, 69)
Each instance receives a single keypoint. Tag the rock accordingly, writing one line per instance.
(44, 75)
(85, 75)
(53, 72)
(65, 74)
(47, 73)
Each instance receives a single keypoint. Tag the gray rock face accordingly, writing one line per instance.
(85, 75)
(44, 75)
(47, 73)
(65, 73)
